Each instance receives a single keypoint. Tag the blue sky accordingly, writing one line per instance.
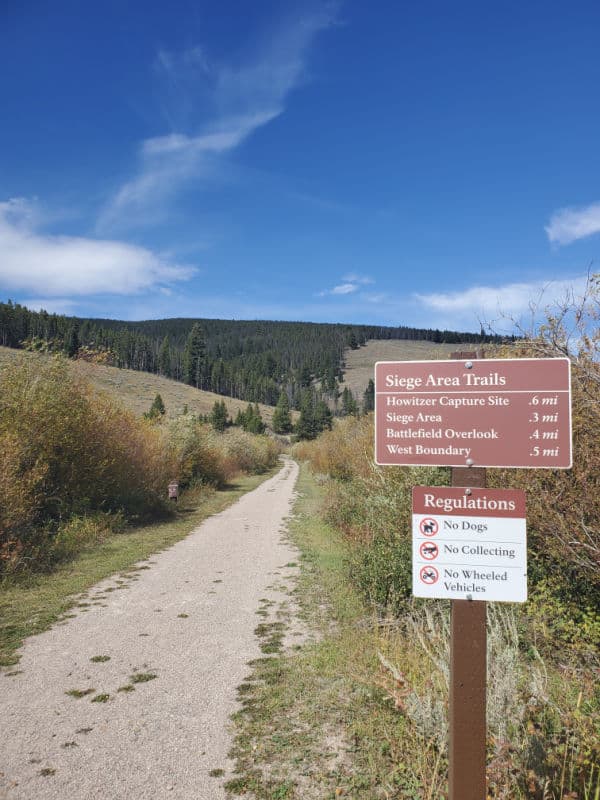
(432, 164)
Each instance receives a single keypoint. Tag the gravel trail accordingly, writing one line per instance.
(188, 618)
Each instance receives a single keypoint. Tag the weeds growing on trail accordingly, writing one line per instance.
(142, 677)
(79, 693)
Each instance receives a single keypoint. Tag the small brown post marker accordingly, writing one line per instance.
(468, 674)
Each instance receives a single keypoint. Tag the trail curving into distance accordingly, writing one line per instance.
(187, 618)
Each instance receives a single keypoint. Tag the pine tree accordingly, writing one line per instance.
(304, 376)
(305, 427)
(282, 421)
(157, 409)
(349, 406)
(369, 397)
(323, 417)
(253, 422)
(194, 357)
(218, 416)
(71, 346)
(164, 358)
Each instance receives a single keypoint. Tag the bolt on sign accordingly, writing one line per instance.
(469, 544)
(481, 413)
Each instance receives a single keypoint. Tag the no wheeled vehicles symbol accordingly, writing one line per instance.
(429, 575)
(429, 550)
(428, 527)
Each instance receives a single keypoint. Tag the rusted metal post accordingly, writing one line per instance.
(468, 677)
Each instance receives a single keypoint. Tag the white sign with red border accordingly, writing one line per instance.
(469, 544)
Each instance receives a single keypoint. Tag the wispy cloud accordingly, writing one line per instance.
(351, 283)
(344, 288)
(492, 303)
(235, 102)
(570, 224)
(60, 266)
(167, 163)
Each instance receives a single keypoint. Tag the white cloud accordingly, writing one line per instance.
(344, 288)
(488, 303)
(570, 224)
(351, 283)
(241, 100)
(75, 266)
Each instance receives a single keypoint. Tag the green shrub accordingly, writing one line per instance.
(381, 571)
(79, 533)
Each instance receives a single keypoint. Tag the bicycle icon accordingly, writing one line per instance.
(429, 575)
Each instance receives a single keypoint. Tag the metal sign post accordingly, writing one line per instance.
(468, 680)
(467, 732)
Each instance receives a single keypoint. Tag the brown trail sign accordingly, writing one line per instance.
(483, 413)
(469, 414)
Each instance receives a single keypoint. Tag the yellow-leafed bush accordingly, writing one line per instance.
(69, 457)
(203, 455)
(196, 453)
(248, 452)
(67, 452)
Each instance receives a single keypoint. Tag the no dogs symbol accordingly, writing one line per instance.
(429, 575)
(428, 527)
(429, 550)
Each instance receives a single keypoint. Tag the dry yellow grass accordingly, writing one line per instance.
(360, 364)
(136, 390)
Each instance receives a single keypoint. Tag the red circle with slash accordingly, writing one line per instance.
(428, 527)
(429, 550)
(429, 575)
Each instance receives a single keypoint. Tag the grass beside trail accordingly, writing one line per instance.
(314, 724)
(33, 603)
(331, 718)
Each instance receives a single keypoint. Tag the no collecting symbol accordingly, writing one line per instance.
(429, 551)
(428, 527)
(429, 575)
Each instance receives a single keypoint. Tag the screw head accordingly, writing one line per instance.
(469, 462)
(469, 365)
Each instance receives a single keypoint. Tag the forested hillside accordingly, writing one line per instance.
(251, 360)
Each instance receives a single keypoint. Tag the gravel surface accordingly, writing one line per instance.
(189, 620)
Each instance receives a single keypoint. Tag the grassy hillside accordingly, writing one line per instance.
(360, 364)
(136, 390)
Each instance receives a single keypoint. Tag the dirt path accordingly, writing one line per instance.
(186, 617)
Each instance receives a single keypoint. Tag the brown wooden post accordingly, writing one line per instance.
(468, 677)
